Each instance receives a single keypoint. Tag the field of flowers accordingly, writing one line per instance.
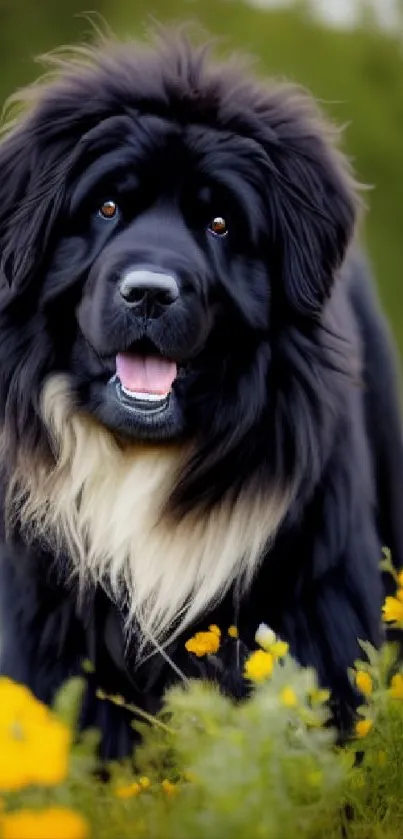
(268, 768)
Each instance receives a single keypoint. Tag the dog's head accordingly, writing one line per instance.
(163, 220)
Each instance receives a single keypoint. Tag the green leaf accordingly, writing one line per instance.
(68, 701)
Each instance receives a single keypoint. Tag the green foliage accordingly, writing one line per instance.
(68, 701)
(268, 767)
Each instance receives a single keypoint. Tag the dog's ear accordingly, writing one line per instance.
(32, 183)
(313, 203)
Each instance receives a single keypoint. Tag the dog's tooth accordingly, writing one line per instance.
(144, 397)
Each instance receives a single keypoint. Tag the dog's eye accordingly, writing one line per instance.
(218, 226)
(109, 209)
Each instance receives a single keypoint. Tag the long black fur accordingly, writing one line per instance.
(292, 375)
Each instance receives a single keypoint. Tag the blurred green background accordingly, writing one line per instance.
(357, 73)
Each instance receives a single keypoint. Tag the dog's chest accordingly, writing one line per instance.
(106, 505)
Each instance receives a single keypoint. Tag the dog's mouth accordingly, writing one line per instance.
(143, 383)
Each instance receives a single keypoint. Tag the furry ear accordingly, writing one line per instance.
(313, 200)
(32, 183)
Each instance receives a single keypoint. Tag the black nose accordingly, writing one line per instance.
(148, 292)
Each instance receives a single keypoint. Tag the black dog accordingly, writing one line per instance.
(197, 393)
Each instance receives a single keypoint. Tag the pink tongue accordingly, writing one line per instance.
(145, 374)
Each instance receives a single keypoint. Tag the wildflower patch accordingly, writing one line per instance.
(269, 766)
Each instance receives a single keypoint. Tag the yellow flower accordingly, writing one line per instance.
(363, 727)
(392, 610)
(34, 743)
(170, 788)
(364, 682)
(232, 632)
(54, 823)
(216, 629)
(144, 782)
(259, 666)
(269, 642)
(279, 649)
(396, 686)
(128, 790)
(400, 579)
(288, 697)
(204, 643)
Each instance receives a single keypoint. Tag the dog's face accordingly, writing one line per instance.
(164, 226)
(162, 251)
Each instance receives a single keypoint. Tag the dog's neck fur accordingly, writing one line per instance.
(104, 504)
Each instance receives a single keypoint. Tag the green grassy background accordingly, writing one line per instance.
(358, 76)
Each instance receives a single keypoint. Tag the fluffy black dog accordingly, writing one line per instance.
(197, 393)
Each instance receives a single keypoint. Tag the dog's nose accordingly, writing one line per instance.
(148, 292)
